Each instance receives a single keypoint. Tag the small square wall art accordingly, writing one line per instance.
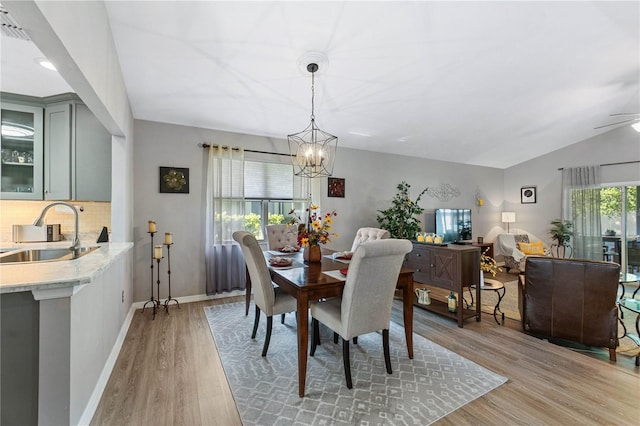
(174, 180)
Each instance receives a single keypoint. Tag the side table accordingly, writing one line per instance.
(493, 285)
(632, 305)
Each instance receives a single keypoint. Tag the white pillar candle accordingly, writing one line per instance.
(168, 238)
(152, 226)
(157, 253)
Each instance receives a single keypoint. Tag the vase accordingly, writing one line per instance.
(312, 254)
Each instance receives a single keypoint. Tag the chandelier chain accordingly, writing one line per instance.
(313, 95)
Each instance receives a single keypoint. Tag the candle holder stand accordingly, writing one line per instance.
(155, 302)
(169, 299)
(158, 284)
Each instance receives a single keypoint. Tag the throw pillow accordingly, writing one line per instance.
(531, 248)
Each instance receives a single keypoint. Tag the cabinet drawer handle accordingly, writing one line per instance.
(432, 265)
(418, 255)
(418, 270)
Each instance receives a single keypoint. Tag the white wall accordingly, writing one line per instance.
(618, 145)
(371, 181)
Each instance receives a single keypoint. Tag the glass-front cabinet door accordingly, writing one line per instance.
(22, 152)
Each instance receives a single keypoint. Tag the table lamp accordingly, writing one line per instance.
(508, 217)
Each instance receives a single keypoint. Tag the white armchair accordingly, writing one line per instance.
(514, 258)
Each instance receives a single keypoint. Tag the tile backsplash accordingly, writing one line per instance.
(92, 219)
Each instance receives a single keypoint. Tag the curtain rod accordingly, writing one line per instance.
(613, 164)
(206, 145)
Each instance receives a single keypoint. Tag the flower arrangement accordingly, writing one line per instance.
(489, 264)
(317, 229)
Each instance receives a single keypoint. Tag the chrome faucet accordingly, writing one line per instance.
(40, 220)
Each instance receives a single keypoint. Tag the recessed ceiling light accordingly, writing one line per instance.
(45, 63)
(636, 127)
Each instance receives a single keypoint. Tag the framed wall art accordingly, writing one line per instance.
(336, 187)
(528, 194)
(174, 180)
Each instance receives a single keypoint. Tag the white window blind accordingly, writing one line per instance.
(273, 181)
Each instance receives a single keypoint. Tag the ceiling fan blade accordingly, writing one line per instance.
(613, 124)
(625, 113)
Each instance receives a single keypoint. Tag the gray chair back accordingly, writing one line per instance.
(263, 292)
(371, 282)
(369, 234)
(279, 236)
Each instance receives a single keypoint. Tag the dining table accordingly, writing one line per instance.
(308, 282)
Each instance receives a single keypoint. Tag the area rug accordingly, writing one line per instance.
(420, 391)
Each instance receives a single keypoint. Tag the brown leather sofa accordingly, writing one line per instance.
(570, 299)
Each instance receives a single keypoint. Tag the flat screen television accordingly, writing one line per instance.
(454, 224)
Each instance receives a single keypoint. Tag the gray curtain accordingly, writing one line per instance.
(581, 205)
(224, 214)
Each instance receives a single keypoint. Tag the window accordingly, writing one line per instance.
(271, 191)
(620, 214)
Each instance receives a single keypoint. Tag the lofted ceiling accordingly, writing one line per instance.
(483, 83)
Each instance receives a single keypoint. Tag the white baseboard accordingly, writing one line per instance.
(196, 298)
(101, 385)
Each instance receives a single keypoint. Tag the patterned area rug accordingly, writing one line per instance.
(420, 391)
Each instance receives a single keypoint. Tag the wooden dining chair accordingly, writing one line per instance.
(268, 299)
(365, 304)
(369, 234)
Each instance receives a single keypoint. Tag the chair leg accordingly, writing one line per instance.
(345, 360)
(267, 337)
(314, 336)
(282, 319)
(385, 346)
(355, 340)
(335, 337)
(255, 323)
(612, 355)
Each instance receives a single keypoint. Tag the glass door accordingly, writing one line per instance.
(621, 226)
(21, 147)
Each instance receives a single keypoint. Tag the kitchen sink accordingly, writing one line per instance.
(45, 255)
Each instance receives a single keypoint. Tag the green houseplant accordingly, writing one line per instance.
(561, 231)
(400, 219)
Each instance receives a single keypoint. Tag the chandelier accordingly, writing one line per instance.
(312, 150)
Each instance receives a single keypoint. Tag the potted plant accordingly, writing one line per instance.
(561, 231)
(400, 219)
(609, 233)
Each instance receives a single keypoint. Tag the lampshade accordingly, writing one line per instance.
(312, 150)
(508, 217)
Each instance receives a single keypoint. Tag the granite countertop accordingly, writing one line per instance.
(16, 277)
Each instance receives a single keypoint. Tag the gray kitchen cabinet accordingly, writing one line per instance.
(77, 154)
(21, 148)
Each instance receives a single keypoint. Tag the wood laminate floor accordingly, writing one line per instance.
(169, 373)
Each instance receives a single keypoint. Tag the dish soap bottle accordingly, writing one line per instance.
(452, 303)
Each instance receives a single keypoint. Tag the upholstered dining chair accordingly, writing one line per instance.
(369, 234)
(279, 236)
(365, 304)
(268, 299)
